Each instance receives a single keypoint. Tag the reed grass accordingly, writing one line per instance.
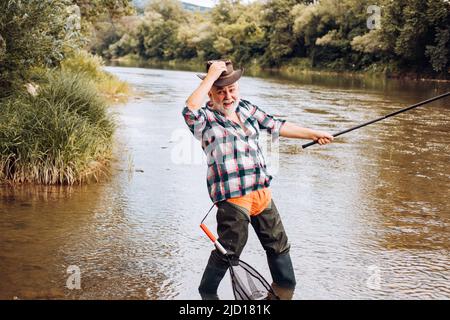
(109, 86)
(63, 135)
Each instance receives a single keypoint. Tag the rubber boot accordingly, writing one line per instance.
(214, 272)
(282, 293)
(282, 274)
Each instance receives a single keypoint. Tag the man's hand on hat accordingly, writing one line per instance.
(216, 69)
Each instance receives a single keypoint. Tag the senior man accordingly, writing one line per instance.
(237, 177)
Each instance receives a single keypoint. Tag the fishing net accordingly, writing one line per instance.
(247, 283)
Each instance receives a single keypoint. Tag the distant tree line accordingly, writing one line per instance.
(334, 34)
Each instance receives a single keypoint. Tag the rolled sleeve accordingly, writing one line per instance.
(267, 122)
(195, 120)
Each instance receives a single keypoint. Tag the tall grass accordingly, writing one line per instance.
(61, 136)
(108, 85)
(83, 62)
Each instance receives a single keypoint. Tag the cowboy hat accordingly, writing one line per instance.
(227, 77)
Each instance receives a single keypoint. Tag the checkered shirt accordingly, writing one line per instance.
(236, 164)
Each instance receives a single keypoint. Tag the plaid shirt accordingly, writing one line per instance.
(236, 165)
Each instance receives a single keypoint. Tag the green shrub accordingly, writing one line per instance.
(33, 33)
(61, 136)
(91, 66)
(84, 62)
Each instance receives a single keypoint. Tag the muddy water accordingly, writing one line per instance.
(368, 217)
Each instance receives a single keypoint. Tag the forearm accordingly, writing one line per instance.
(290, 130)
(196, 99)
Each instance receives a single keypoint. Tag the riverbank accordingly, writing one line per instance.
(379, 70)
(58, 130)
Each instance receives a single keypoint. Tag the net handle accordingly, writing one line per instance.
(213, 239)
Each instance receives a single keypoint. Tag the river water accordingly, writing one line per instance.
(368, 216)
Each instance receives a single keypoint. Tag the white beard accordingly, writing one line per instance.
(226, 111)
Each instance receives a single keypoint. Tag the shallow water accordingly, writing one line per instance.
(368, 217)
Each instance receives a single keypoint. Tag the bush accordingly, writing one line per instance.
(91, 66)
(83, 62)
(33, 33)
(61, 136)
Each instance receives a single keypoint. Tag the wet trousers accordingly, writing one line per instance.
(232, 229)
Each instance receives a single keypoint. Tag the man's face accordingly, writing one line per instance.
(225, 99)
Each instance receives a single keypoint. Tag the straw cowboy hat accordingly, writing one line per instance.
(227, 77)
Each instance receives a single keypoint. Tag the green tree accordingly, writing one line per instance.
(168, 9)
(326, 31)
(100, 19)
(438, 14)
(238, 33)
(416, 33)
(34, 33)
(93, 11)
(278, 26)
(333, 34)
(158, 39)
(226, 11)
(439, 53)
(412, 34)
(158, 35)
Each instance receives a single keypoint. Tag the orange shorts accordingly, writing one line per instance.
(255, 202)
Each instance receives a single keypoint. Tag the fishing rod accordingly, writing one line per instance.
(306, 145)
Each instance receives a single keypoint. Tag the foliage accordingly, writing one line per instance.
(60, 136)
(34, 33)
(94, 11)
(334, 34)
(90, 66)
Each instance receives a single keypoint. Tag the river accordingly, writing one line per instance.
(368, 216)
